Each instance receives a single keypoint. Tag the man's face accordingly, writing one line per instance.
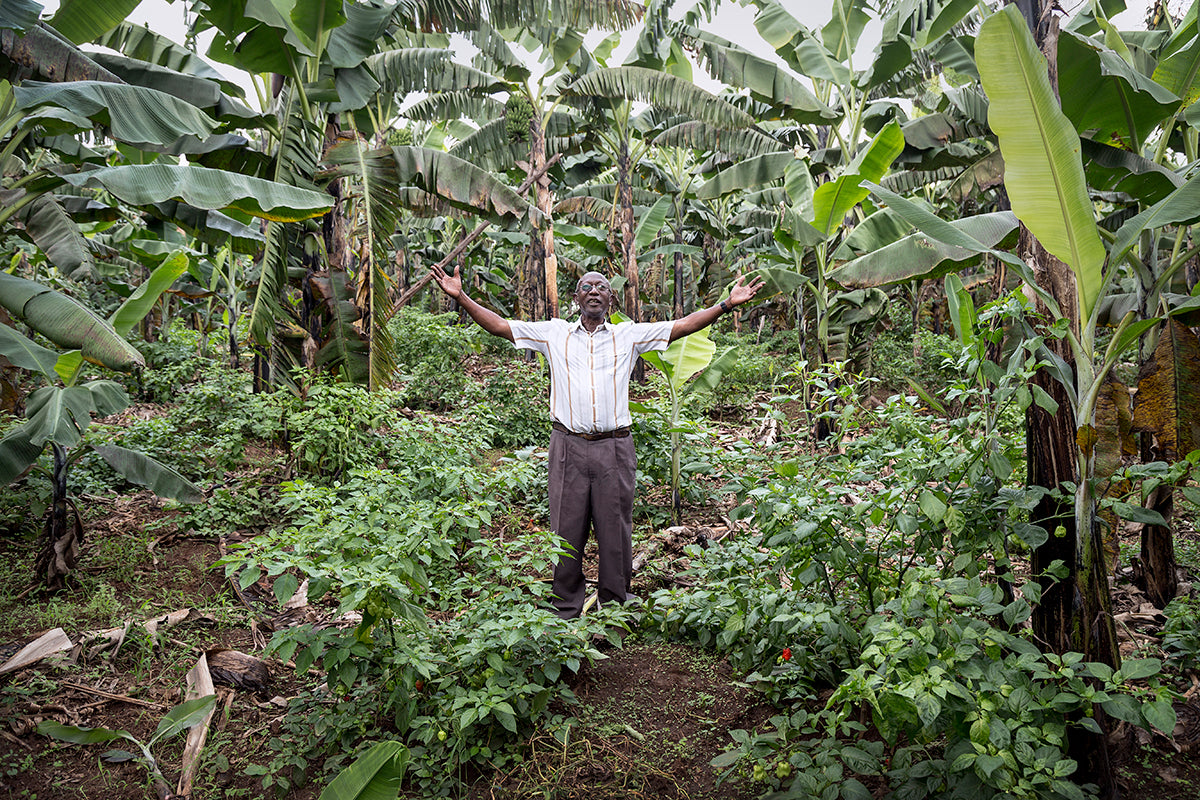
(594, 295)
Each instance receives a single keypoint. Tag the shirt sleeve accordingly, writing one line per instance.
(532, 335)
(647, 336)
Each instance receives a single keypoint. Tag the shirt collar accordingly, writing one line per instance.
(577, 325)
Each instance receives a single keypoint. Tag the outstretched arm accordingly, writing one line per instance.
(487, 319)
(704, 317)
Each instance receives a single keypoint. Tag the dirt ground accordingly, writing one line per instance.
(651, 716)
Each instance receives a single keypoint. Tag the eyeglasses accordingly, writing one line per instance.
(594, 287)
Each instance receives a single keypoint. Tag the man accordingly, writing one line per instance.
(592, 463)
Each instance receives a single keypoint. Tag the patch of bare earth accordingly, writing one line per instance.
(650, 719)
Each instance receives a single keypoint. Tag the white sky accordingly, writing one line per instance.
(733, 22)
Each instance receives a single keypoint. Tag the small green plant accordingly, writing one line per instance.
(1181, 634)
(336, 427)
(178, 719)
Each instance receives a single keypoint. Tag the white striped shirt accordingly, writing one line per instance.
(589, 372)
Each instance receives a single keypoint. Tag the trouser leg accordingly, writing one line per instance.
(612, 515)
(570, 518)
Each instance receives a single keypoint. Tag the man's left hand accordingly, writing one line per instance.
(743, 294)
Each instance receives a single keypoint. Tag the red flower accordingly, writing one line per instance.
(786, 655)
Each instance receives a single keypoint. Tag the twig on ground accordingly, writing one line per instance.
(124, 698)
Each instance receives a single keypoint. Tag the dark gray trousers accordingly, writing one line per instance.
(591, 486)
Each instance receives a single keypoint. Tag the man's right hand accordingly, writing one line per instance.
(451, 284)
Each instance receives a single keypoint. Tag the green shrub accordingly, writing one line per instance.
(1181, 634)
(511, 408)
(900, 353)
(336, 426)
(430, 349)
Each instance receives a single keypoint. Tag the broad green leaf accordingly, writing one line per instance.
(136, 115)
(721, 363)
(742, 142)
(17, 453)
(1138, 514)
(652, 221)
(68, 364)
(962, 309)
(284, 587)
(138, 304)
(932, 505)
(1161, 715)
(56, 234)
(78, 735)
(184, 715)
(1181, 207)
(67, 323)
(687, 356)
(108, 397)
(750, 173)
(1178, 73)
(458, 182)
(1108, 95)
(832, 201)
(840, 34)
(1130, 335)
(144, 184)
(1137, 668)
(82, 21)
(1043, 172)
(19, 15)
(143, 470)
(375, 775)
(639, 84)
(917, 257)
(140, 43)
(1113, 169)
(26, 353)
(59, 414)
(767, 82)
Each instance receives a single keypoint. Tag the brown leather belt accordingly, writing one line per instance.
(618, 433)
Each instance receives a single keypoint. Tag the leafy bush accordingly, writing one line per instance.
(336, 427)
(1181, 634)
(430, 349)
(786, 644)
(511, 406)
(172, 364)
(206, 432)
(391, 545)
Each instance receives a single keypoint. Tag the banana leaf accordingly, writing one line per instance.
(133, 114)
(1043, 171)
(143, 470)
(917, 257)
(138, 304)
(67, 323)
(145, 184)
(26, 353)
(375, 775)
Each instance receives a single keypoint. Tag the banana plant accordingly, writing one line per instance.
(692, 355)
(1045, 179)
(59, 414)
